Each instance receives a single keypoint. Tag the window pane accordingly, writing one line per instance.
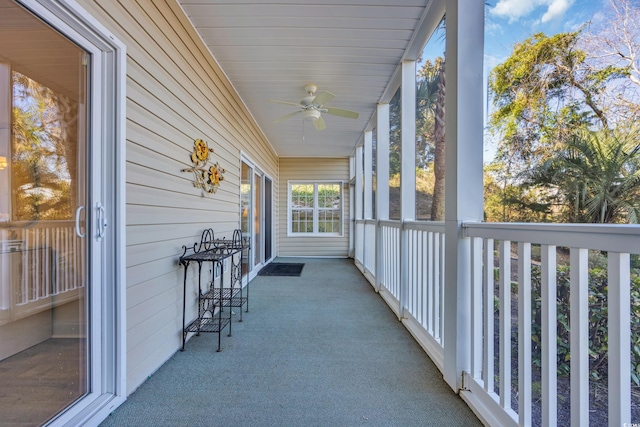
(328, 195)
(302, 195)
(302, 221)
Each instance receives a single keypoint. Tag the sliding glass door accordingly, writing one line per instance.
(256, 213)
(52, 223)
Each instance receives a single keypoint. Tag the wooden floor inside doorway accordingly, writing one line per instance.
(39, 382)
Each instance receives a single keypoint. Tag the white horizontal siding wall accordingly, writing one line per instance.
(313, 169)
(175, 93)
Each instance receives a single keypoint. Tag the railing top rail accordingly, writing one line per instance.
(435, 226)
(604, 237)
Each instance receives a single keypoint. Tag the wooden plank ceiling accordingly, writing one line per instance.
(271, 49)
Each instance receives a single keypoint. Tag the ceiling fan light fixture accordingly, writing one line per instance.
(311, 114)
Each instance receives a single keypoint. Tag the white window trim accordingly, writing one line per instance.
(108, 123)
(315, 208)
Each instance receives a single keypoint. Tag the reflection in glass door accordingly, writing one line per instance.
(43, 192)
(245, 209)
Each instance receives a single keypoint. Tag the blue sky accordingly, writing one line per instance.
(510, 21)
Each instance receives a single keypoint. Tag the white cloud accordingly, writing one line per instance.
(517, 9)
(556, 9)
(514, 9)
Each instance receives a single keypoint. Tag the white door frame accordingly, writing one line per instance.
(257, 170)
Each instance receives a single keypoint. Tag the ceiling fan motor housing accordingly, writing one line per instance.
(311, 114)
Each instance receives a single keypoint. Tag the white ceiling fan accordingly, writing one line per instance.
(312, 107)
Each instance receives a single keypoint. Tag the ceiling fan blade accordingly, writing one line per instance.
(288, 116)
(319, 123)
(285, 102)
(323, 97)
(342, 113)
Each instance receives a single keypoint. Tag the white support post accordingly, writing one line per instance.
(352, 207)
(408, 170)
(408, 124)
(358, 189)
(382, 186)
(619, 303)
(368, 174)
(463, 190)
(382, 162)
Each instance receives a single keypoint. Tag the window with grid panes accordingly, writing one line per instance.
(315, 208)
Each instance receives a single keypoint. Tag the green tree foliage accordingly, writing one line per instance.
(506, 201)
(545, 91)
(597, 177)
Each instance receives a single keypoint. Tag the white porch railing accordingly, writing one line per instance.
(37, 263)
(501, 376)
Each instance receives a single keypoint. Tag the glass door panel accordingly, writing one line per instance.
(257, 220)
(43, 191)
(268, 208)
(245, 209)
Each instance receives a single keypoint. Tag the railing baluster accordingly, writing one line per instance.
(619, 318)
(476, 307)
(436, 286)
(430, 281)
(488, 292)
(505, 323)
(579, 323)
(424, 282)
(441, 287)
(548, 296)
(524, 333)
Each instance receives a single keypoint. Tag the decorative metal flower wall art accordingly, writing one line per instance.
(206, 178)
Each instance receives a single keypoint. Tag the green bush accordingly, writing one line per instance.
(598, 311)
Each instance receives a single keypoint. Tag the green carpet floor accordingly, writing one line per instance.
(322, 349)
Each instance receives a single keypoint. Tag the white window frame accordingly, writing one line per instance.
(107, 371)
(316, 209)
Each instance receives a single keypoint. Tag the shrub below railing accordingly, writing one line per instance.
(598, 312)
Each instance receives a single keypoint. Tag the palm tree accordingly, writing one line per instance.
(598, 177)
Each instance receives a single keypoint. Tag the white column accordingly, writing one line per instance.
(382, 162)
(382, 185)
(407, 171)
(352, 206)
(408, 124)
(358, 189)
(464, 191)
(368, 174)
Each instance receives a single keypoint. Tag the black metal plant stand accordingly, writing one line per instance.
(215, 251)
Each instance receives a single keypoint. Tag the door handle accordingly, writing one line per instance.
(79, 232)
(101, 221)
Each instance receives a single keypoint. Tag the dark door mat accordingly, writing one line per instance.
(282, 269)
